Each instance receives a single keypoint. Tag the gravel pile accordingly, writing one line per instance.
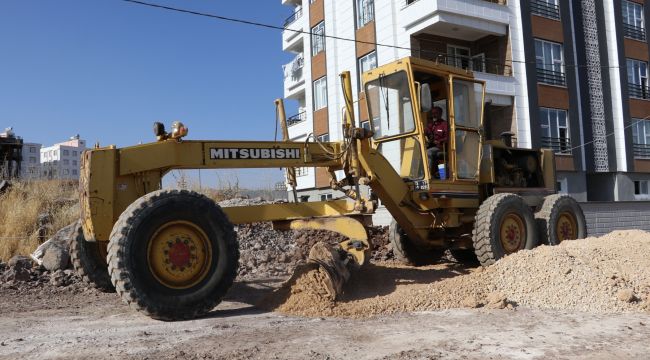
(602, 275)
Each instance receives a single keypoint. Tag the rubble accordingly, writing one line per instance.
(58, 247)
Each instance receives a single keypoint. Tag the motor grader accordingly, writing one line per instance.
(173, 254)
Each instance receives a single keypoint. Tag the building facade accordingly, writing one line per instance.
(31, 161)
(571, 75)
(62, 160)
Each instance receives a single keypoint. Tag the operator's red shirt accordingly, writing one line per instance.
(437, 132)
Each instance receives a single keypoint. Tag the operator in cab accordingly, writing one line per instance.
(436, 132)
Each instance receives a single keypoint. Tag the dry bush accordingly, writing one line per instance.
(20, 207)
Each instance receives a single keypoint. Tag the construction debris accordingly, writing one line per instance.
(602, 275)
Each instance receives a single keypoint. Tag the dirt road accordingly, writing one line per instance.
(89, 324)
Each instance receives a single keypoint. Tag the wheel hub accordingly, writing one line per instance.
(513, 233)
(179, 254)
(567, 228)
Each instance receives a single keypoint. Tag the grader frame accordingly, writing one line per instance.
(389, 158)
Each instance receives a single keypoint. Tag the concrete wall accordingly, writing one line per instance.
(604, 217)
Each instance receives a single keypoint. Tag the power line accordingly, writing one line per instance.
(275, 27)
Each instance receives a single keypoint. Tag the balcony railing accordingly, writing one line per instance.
(293, 70)
(633, 32)
(638, 91)
(406, 3)
(478, 64)
(294, 119)
(642, 150)
(551, 77)
(545, 9)
(293, 17)
(559, 145)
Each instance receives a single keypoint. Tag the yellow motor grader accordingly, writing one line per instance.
(173, 254)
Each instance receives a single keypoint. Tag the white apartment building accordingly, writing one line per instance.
(570, 75)
(31, 161)
(62, 160)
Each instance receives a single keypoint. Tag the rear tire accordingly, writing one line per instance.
(504, 225)
(89, 261)
(173, 255)
(559, 219)
(404, 250)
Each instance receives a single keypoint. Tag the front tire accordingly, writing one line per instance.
(173, 255)
(559, 219)
(504, 225)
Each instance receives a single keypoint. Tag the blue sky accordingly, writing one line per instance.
(107, 69)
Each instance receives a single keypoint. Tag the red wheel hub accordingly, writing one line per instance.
(179, 254)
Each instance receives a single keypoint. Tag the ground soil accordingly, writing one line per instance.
(581, 300)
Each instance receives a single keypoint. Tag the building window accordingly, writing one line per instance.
(545, 8)
(367, 63)
(320, 93)
(550, 62)
(74, 162)
(324, 138)
(74, 152)
(641, 137)
(365, 125)
(32, 160)
(74, 172)
(66, 162)
(633, 22)
(458, 56)
(32, 149)
(66, 171)
(318, 38)
(302, 171)
(66, 152)
(555, 130)
(365, 12)
(637, 79)
(325, 197)
(641, 189)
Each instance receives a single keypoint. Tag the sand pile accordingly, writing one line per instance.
(604, 275)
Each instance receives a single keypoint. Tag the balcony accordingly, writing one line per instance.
(545, 9)
(459, 19)
(296, 119)
(560, 146)
(294, 78)
(638, 91)
(292, 36)
(633, 32)
(550, 77)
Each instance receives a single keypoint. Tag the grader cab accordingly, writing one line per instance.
(174, 254)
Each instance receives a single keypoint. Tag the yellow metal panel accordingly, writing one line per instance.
(97, 193)
(288, 211)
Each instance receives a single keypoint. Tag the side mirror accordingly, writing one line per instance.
(426, 103)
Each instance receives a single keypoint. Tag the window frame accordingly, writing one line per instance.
(360, 68)
(365, 14)
(548, 122)
(320, 100)
(630, 5)
(551, 65)
(318, 38)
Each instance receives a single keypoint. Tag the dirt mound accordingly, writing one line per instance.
(265, 252)
(603, 275)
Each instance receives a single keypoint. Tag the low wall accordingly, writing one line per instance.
(604, 217)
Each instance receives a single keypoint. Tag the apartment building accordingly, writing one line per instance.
(62, 160)
(571, 75)
(31, 161)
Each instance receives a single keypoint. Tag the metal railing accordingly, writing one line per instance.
(638, 91)
(641, 150)
(633, 32)
(294, 119)
(559, 145)
(545, 9)
(551, 77)
(406, 3)
(485, 65)
(293, 17)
